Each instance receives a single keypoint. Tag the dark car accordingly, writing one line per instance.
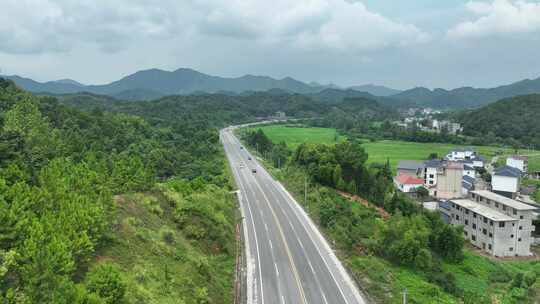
(253, 170)
(249, 157)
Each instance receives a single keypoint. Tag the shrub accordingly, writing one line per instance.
(167, 235)
(105, 280)
(500, 275)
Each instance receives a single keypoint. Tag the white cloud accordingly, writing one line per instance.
(499, 17)
(41, 26)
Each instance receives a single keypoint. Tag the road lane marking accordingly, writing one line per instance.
(254, 235)
(287, 249)
(277, 271)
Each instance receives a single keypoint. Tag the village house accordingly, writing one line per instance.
(519, 162)
(410, 167)
(408, 184)
(505, 181)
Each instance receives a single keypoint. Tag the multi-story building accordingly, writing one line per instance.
(498, 225)
(449, 181)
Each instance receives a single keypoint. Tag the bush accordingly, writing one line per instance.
(105, 280)
(500, 275)
(167, 235)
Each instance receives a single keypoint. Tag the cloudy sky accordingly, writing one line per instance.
(402, 44)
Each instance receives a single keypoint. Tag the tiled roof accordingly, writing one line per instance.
(409, 180)
(433, 163)
(507, 171)
(410, 165)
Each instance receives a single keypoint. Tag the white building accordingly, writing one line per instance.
(505, 181)
(519, 162)
(408, 184)
(431, 168)
(461, 154)
(500, 226)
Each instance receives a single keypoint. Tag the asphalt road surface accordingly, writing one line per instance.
(288, 260)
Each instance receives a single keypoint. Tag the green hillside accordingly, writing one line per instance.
(74, 231)
(513, 120)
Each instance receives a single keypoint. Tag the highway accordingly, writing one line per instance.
(288, 260)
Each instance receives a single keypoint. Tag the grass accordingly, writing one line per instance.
(294, 135)
(158, 263)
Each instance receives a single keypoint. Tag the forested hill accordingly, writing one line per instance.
(219, 109)
(514, 119)
(82, 200)
(467, 97)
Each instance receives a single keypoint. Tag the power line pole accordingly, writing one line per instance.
(305, 190)
(405, 296)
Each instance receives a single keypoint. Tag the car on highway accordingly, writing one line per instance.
(241, 148)
(253, 170)
(249, 157)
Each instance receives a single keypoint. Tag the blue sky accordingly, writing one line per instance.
(401, 44)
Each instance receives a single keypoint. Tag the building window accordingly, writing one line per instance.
(466, 211)
(489, 246)
(474, 215)
(431, 176)
(501, 224)
(465, 232)
(520, 227)
(491, 223)
(511, 249)
(519, 240)
(504, 207)
(466, 222)
(496, 205)
(453, 205)
(473, 237)
(485, 220)
(511, 236)
(474, 226)
(484, 231)
(490, 235)
(457, 217)
(514, 211)
(521, 217)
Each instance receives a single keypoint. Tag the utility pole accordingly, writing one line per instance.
(305, 190)
(405, 296)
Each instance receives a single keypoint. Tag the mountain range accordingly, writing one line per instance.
(155, 83)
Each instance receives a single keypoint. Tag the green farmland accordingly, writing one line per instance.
(295, 135)
(380, 151)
